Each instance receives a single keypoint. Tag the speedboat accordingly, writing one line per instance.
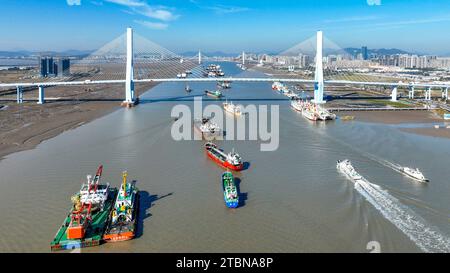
(346, 167)
(414, 173)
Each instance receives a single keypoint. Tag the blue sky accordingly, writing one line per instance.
(226, 25)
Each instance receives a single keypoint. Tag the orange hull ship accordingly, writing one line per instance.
(123, 218)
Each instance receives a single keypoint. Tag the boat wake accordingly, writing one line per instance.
(427, 238)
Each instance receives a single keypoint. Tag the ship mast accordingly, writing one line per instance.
(124, 183)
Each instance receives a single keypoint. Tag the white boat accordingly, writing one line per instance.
(232, 108)
(207, 128)
(414, 173)
(224, 85)
(345, 167)
(297, 105)
(291, 94)
(181, 75)
(312, 111)
(324, 114)
(277, 86)
(309, 111)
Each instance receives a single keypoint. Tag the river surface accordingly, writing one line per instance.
(292, 199)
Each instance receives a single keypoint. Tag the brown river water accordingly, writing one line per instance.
(292, 199)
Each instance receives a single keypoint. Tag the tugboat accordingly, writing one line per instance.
(122, 223)
(207, 128)
(230, 193)
(86, 222)
(230, 161)
(414, 173)
(233, 109)
(345, 167)
(215, 94)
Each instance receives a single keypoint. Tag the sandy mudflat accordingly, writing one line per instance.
(393, 117)
(411, 117)
(24, 126)
(433, 132)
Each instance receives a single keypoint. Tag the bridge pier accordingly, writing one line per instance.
(318, 75)
(394, 94)
(428, 93)
(19, 94)
(444, 93)
(41, 95)
(411, 92)
(130, 99)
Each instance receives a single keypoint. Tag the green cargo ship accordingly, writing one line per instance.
(94, 232)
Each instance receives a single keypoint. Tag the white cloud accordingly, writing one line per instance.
(221, 9)
(73, 2)
(152, 25)
(142, 8)
(374, 2)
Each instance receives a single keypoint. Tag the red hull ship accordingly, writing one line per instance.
(230, 161)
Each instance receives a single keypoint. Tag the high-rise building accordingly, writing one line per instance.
(365, 53)
(50, 67)
(43, 67)
(54, 68)
(64, 67)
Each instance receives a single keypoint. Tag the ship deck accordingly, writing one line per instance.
(94, 232)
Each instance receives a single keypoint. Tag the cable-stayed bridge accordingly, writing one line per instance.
(131, 59)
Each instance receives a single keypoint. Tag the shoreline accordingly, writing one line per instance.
(408, 117)
(25, 126)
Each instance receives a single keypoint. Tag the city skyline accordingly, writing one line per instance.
(227, 26)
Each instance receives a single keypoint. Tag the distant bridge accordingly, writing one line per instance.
(318, 82)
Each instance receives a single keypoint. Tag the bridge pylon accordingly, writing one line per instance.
(394, 96)
(130, 99)
(318, 80)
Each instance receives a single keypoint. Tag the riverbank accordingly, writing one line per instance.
(400, 117)
(24, 126)
(394, 117)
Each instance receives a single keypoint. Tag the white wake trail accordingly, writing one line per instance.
(426, 237)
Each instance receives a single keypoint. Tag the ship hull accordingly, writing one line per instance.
(309, 115)
(126, 232)
(414, 177)
(94, 231)
(212, 95)
(224, 163)
(230, 194)
(120, 237)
